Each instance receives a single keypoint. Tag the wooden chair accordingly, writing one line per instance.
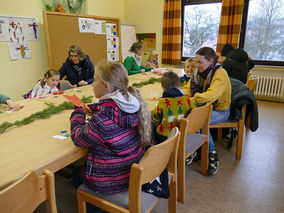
(64, 85)
(151, 166)
(190, 141)
(251, 84)
(27, 193)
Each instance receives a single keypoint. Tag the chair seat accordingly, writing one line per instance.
(121, 199)
(193, 142)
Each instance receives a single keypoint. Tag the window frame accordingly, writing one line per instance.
(191, 2)
(243, 35)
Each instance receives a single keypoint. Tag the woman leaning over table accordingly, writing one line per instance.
(6, 100)
(133, 62)
(211, 83)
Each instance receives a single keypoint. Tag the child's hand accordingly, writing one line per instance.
(87, 109)
(12, 105)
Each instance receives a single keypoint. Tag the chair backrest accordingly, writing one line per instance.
(27, 193)
(249, 75)
(64, 85)
(151, 166)
(198, 118)
(251, 84)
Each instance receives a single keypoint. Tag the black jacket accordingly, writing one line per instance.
(241, 95)
(87, 73)
(237, 64)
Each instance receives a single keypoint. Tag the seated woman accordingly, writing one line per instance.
(78, 67)
(211, 84)
(133, 63)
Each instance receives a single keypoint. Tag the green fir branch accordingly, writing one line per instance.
(150, 81)
(44, 114)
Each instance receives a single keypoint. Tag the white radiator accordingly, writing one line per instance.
(270, 87)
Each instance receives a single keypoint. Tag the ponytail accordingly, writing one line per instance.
(145, 129)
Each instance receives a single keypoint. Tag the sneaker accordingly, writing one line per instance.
(213, 163)
(190, 158)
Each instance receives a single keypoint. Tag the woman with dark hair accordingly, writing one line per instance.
(133, 62)
(78, 68)
(211, 84)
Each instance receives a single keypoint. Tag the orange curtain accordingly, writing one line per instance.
(171, 48)
(230, 23)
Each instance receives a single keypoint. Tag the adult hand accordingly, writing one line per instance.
(82, 83)
(12, 105)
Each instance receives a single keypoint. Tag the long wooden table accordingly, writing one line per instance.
(32, 147)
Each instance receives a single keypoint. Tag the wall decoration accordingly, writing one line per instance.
(68, 6)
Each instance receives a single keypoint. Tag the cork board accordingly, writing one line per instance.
(62, 31)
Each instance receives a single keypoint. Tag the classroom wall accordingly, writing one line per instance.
(147, 15)
(18, 77)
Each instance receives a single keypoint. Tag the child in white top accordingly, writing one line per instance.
(47, 85)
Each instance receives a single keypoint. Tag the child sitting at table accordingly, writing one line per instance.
(172, 107)
(189, 69)
(118, 130)
(48, 84)
(153, 60)
(6, 100)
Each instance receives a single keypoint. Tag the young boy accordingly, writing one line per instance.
(189, 68)
(171, 107)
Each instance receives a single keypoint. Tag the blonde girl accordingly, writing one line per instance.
(153, 59)
(119, 128)
(48, 84)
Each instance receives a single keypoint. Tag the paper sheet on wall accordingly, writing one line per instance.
(86, 25)
(99, 27)
(112, 43)
(111, 30)
(112, 55)
(31, 29)
(4, 25)
(19, 51)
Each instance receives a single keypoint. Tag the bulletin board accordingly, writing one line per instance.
(62, 31)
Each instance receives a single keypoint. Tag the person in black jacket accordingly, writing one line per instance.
(237, 62)
(78, 68)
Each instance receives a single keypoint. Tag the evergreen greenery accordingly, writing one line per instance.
(150, 81)
(46, 113)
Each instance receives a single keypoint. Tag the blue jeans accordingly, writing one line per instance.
(217, 116)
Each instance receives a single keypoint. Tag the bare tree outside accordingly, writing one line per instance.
(201, 24)
(265, 30)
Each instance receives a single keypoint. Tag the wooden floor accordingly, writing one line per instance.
(254, 184)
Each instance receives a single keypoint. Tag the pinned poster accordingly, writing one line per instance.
(4, 25)
(111, 30)
(86, 25)
(99, 27)
(112, 43)
(19, 51)
(112, 55)
(14, 54)
(31, 30)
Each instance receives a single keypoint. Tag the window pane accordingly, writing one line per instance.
(200, 27)
(264, 38)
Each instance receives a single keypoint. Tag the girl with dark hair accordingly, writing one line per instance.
(211, 84)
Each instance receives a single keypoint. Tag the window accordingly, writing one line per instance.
(200, 25)
(263, 31)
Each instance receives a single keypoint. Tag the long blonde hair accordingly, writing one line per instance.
(117, 76)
